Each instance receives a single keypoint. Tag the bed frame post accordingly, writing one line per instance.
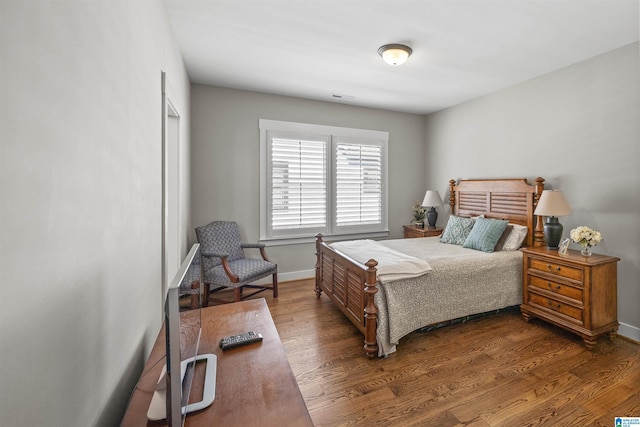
(538, 234)
(317, 288)
(452, 195)
(370, 311)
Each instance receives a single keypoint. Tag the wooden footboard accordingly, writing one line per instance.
(351, 286)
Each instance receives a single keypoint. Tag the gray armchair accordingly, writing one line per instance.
(224, 265)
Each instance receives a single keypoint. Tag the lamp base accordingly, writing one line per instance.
(552, 232)
(432, 217)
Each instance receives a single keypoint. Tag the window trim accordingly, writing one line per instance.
(335, 134)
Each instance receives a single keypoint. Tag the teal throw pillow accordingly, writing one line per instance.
(457, 230)
(485, 234)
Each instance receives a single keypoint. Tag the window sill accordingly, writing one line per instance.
(327, 238)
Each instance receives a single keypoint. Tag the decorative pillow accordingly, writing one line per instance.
(485, 234)
(503, 238)
(515, 238)
(457, 230)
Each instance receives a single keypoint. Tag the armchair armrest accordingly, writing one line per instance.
(214, 254)
(251, 245)
(260, 246)
(225, 264)
(232, 276)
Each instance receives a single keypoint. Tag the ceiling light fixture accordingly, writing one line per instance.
(395, 54)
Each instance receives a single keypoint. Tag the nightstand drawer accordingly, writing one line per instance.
(557, 269)
(413, 233)
(557, 288)
(558, 307)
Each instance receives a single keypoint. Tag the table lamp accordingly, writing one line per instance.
(552, 204)
(431, 200)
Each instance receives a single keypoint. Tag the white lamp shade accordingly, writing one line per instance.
(431, 199)
(552, 203)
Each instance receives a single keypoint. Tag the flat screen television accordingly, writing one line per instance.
(183, 327)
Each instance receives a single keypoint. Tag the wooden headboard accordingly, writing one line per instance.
(510, 199)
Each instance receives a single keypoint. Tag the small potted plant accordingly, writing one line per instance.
(419, 213)
(586, 237)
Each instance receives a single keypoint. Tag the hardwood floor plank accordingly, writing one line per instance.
(492, 371)
(629, 408)
(526, 408)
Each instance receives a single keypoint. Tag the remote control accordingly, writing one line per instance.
(239, 340)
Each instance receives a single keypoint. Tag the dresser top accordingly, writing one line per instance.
(572, 256)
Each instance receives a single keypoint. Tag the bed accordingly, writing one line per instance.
(385, 305)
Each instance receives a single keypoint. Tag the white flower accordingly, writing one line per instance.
(585, 236)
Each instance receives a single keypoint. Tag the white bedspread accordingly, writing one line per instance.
(462, 282)
(392, 264)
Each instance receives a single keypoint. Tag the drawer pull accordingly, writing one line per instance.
(549, 266)
(551, 286)
(552, 305)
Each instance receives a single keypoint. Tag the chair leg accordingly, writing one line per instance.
(205, 295)
(237, 295)
(194, 297)
(275, 285)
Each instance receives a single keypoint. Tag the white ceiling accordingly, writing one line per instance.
(462, 49)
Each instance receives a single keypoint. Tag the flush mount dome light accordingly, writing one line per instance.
(395, 54)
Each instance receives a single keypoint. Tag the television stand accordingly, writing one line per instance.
(158, 406)
(254, 384)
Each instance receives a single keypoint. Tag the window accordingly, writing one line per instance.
(298, 183)
(321, 179)
(358, 180)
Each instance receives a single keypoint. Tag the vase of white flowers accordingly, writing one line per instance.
(419, 212)
(586, 237)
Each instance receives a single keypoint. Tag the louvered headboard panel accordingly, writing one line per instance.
(510, 199)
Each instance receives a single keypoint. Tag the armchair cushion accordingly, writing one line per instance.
(247, 270)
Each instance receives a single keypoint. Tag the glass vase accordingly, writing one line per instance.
(586, 250)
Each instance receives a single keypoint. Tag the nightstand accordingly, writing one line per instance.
(574, 292)
(411, 231)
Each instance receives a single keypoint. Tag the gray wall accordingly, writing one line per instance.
(80, 214)
(225, 160)
(578, 128)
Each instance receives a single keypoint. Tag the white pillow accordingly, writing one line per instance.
(516, 237)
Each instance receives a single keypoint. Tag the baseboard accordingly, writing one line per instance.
(296, 275)
(287, 277)
(629, 332)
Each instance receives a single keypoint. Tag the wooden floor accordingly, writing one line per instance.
(493, 371)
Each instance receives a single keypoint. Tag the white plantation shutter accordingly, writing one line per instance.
(321, 179)
(358, 184)
(298, 184)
